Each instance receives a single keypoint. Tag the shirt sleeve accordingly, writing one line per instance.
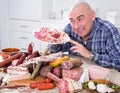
(112, 57)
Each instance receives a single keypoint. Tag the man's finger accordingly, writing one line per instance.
(73, 42)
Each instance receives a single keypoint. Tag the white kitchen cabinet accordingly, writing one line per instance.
(29, 9)
(21, 34)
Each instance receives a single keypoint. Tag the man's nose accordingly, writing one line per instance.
(75, 25)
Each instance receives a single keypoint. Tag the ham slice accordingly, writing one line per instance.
(97, 72)
(74, 74)
(63, 86)
(66, 85)
(52, 36)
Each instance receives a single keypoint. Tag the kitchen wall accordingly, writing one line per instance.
(102, 7)
(60, 5)
(3, 24)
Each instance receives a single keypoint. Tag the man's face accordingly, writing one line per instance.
(81, 21)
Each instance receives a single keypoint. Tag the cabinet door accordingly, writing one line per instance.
(28, 9)
(20, 34)
(23, 26)
(22, 40)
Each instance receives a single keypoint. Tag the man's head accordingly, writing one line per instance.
(81, 17)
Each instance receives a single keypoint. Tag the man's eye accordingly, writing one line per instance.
(80, 19)
(71, 21)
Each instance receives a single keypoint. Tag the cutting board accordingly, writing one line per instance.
(24, 82)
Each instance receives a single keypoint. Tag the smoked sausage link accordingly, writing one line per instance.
(34, 54)
(30, 48)
(21, 59)
(10, 59)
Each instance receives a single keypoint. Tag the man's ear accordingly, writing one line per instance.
(93, 15)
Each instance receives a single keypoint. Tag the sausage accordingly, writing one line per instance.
(21, 59)
(34, 84)
(8, 60)
(34, 54)
(45, 86)
(30, 48)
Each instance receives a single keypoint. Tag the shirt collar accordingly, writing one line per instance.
(95, 27)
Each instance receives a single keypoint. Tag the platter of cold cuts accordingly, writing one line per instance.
(52, 36)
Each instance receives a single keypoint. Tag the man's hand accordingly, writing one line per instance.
(79, 48)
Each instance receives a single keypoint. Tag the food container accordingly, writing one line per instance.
(6, 52)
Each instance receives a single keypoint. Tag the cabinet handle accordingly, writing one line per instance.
(24, 49)
(24, 26)
(23, 37)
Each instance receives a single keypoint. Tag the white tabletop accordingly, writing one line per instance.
(114, 74)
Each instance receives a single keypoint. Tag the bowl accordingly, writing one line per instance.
(6, 52)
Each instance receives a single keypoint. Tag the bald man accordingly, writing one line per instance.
(91, 37)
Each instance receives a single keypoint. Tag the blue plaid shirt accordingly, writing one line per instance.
(103, 42)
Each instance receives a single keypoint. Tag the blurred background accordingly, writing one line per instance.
(18, 18)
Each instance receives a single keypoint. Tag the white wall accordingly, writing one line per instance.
(3, 24)
(59, 5)
(104, 6)
(101, 6)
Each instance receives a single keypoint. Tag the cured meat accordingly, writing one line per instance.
(57, 71)
(72, 63)
(53, 77)
(44, 70)
(15, 70)
(14, 62)
(11, 58)
(53, 36)
(47, 58)
(66, 85)
(97, 72)
(74, 74)
(63, 86)
(19, 77)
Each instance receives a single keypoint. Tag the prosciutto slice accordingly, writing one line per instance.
(52, 36)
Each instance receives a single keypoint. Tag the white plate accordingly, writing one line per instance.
(49, 38)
